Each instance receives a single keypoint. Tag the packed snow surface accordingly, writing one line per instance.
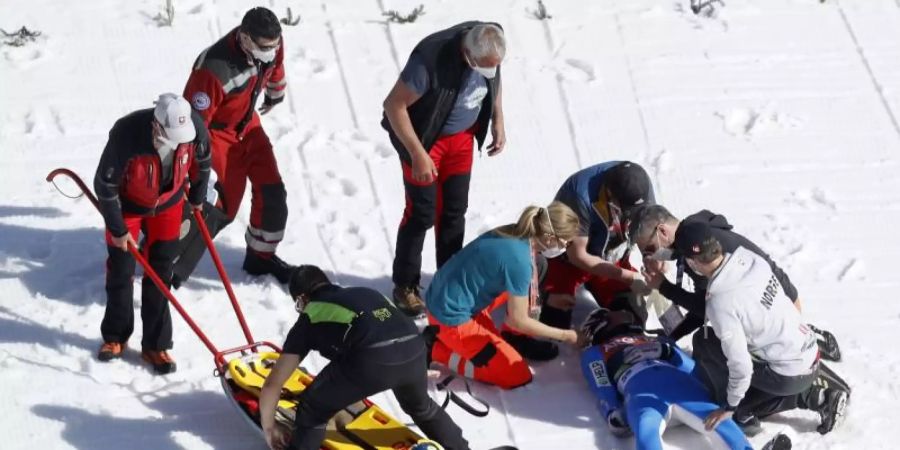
(780, 114)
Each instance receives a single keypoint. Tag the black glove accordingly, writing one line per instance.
(269, 101)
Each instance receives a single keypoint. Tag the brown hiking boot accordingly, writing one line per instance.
(407, 299)
(160, 360)
(110, 350)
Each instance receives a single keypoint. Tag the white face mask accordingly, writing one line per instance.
(266, 56)
(554, 252)
(487, 72)
(661, 253)
(165, 146)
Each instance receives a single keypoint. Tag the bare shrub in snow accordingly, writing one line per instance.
(290, 20)
(20, 38)
(541, 12)
(394, 16)
(169, 17)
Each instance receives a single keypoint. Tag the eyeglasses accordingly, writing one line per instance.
(267, 47)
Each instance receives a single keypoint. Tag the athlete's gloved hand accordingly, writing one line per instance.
(617, 424)
(649, 350)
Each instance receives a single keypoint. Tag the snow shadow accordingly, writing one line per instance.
(183, 420)
(59, 264)
(15, 328)
(70, 265)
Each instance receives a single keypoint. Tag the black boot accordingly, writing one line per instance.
(749, 425)
(830, 403)
(256, 264)
(429, 335)
(534, 349)
(828, 345)
(556, 317)
(529, 347)
(780, 442)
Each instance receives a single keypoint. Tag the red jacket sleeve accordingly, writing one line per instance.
(204, 91)
(277, 82)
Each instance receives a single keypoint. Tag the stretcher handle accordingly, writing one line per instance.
(214, 254)
(148, 270)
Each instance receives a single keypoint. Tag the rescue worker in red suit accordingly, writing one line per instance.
(447, 96)
(224, 88)
(151, 157)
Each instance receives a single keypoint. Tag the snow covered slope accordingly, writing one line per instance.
(781, 114)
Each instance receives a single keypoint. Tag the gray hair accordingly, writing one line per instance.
(485, 40)
(647, 218)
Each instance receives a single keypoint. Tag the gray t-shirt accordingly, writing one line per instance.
(468, 102)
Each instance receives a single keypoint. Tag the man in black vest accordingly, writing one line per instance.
(445, 99)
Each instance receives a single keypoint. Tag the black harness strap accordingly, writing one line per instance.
(451, 396)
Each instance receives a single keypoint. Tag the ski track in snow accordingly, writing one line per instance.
(779, 114)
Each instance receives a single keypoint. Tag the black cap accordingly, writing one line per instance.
(306, 279)
(260, 22)
(690, 236)
(629, 185)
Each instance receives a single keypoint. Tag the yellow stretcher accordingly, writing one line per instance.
(362, 425)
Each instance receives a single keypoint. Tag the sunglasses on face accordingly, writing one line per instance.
(265, 47)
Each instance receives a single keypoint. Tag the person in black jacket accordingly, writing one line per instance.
(372, 348)
(446, 99)
(151, 157)
(653, 229)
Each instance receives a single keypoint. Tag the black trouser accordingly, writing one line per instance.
(192, 246)
(399, 367)
(445, 200)
(769, 393)
(118, 321)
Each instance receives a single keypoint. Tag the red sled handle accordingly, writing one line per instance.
(221, 361)
(214, 254)
(148, 271)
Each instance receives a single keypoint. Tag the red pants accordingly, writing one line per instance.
(476, 350)
(564, 278)
(237, 160)
(441, 203)
(161, 232)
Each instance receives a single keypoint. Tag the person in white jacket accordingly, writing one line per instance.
(761, 345)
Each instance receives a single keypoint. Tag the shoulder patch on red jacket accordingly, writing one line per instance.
(200, 101)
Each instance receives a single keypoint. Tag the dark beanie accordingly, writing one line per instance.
(691, 236)
(260, 22)
(629, 184)
(307, 278)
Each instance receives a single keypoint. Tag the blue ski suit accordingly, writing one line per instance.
(653, 392)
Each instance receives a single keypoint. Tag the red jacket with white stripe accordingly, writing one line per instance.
(225, 84)
(130, 178)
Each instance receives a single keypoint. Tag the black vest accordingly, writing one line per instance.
(442, 55)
